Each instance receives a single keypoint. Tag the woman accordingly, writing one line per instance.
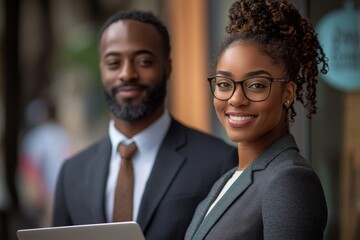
(269, 61)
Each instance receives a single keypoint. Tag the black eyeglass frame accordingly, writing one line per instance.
(241, 82)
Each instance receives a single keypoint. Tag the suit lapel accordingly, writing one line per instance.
(200, 227)
(167, 164)
(239, 186)
(205, 204)
(98, 172)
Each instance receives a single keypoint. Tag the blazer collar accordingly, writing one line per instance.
(167, 164)
(97, 177)
(200, 226)
(285, 142)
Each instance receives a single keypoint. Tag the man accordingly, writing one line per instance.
(174, 166)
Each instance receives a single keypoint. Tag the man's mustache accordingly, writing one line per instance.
(125, 86)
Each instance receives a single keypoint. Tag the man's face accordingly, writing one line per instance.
(134, 69)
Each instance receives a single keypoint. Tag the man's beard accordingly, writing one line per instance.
(128, 112)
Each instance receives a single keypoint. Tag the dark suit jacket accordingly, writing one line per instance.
(278, 197)
(187, 165)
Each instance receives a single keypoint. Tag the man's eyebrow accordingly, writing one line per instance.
(142, 51)
(136, 52)
(112, 53)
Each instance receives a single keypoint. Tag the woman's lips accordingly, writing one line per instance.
(240, 120)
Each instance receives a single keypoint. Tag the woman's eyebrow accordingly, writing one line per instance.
(224, 73)
(257, 73)
(247, 75)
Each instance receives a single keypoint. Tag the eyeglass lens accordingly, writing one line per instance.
(255, 89)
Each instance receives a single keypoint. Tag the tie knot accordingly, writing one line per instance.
(127, 151)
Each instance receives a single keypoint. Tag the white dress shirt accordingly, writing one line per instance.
(148, 143)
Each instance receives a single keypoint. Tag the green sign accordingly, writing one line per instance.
(339, 35)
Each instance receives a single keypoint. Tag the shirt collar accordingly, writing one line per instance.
(144, 139)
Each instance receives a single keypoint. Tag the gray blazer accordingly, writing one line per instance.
(187, 165)
(277, 197)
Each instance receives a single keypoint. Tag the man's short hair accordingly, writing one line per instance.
(141, 16)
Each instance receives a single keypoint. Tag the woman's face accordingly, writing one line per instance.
(246, 121)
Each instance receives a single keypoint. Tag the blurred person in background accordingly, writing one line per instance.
(43, 149)
(174, 166)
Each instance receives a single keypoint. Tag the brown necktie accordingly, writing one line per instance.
(123, 203)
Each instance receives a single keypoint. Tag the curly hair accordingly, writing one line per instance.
(279, 31)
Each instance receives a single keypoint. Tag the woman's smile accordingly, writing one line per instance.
(238, 121)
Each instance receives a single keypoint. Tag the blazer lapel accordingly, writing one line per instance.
(200, 226)
(203, 207)
(239, 186)
(167, 164)
(98, 172)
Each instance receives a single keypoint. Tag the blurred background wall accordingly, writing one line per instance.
(49, 77)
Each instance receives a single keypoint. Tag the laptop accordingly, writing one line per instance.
(102, 231)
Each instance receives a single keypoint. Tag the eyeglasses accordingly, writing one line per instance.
(255, 89)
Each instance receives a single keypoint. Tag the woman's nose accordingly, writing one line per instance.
(238, 98)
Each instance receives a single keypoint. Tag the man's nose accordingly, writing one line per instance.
(128, 72)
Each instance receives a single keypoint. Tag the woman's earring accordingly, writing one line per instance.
(287, 104)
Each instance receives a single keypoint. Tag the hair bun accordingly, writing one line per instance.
(281, 31)
(273, 18)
